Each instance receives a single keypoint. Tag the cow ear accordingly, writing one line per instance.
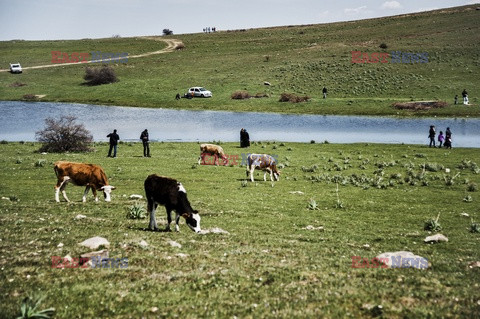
(195, 211)
(186, 215)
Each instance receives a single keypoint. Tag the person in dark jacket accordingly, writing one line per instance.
(448, 138)
(146, 143)
(324, 91)
(431, 135)
(244, 138)
(114, 138)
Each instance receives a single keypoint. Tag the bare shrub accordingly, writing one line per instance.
(180, 46)
(98, 76)
(167, 32)
(64, 135)
(290, 97)
(240, 95)
(419, 106)
(383, 46)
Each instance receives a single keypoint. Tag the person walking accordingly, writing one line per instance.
(465, 96)
(441, 138)
(146, 143)
(431, 135)
(114, 138)
(324, 91)
(455, 99)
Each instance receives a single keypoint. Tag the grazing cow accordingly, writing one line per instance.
(80, 174)
(264, 162)
(212, 150)
(171, 194)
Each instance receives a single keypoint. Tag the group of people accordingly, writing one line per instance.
(464, 96)
(443, 140)
(114, 138)
(208, 29)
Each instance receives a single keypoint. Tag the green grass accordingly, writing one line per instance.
(268, 266)
(302, 59)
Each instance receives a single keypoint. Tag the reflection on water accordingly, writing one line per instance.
(20, 121)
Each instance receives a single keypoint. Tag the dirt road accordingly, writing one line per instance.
(172, 44)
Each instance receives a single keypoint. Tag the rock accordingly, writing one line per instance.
(60, 245)
(80, 216)
(95, 242)
(154, 309)
(143, 244)
(403, 259)
(214, 230)
(436, 238)
(297, 192)
(135, 196)
(311, 227)
(266, 83)
(174, 244)
(447, 170)
(474, 264)
(181, 255)
(465, 215)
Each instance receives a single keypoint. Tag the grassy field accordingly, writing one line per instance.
(270, 265)
(294, 59)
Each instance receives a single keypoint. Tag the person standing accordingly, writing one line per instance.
(455, 99)
(244, 138)
(146, 143)
(431, 135)
(465, 97)
(114, 138)
(324, 91)
(448, 138)
(441, 138)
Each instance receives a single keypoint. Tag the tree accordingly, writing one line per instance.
(64, 135)
(167, 32)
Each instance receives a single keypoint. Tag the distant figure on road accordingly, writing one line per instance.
(431, 135)
(244, 138)
(113, 143)
(146, 143)
(465, 97)
(324, 91)
(441, 138)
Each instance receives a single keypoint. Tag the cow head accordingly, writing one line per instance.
(193, 220)
(107, 189)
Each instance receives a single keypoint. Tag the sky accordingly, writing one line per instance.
(56, 19)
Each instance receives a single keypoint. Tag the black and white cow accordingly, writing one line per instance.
(263, 162)
(171, 194)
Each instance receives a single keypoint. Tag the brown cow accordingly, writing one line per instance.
(264, 162)
(212, 150)
(80, 174)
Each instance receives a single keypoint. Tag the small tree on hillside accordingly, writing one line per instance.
(64, 135)
(167, 32)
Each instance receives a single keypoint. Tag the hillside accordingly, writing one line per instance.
(294, 59)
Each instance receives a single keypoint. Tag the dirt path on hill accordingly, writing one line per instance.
(172, 45)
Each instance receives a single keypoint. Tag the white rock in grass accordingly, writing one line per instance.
(436, 238)
(214, 230)
(297, 192)
(465, 215)
(181, 255)
(403, 259)
(80, 216)
(60, 245)
(135, 196)
(95, 242)
(311, 227)
(447, 170)
(174, 244)
(143, 244)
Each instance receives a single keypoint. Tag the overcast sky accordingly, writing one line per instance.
(77, 19)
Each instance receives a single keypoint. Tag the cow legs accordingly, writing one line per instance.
(84, 198)
(61, 187)
(151, 206)
(169, 218)
(177, 220)
(251, 173)
(94, 191)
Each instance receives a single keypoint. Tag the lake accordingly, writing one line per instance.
(20, 121)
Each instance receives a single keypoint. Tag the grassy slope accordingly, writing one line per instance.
(268, 266)
(301, 60)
